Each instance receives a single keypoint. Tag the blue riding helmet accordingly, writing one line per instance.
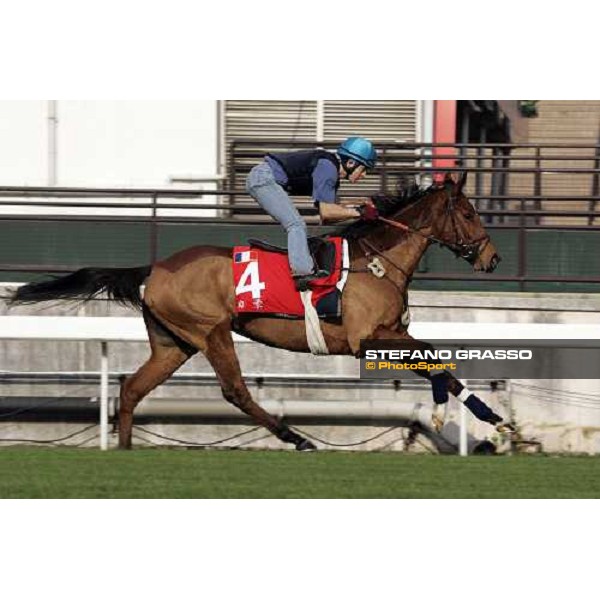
(360, 149)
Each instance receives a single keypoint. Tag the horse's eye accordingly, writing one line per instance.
(469, 216)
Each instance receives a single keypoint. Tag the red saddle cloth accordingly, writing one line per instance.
(264, 284)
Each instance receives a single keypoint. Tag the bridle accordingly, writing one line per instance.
(468, 250)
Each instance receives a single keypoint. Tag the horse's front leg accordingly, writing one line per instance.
(475, 404)
(444, 382)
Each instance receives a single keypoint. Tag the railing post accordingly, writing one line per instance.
(464, 137)
(480, 164)
(496, 182)
(154, 230)
(103, 395)
(231, 172)
(537, 191)
(383, 178)
(504, 180)
(595, 186)
(522, 247)
(463, 432)
(463, 443)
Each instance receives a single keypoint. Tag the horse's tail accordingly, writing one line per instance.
(121, 285)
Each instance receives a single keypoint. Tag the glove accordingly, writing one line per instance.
(368, 212)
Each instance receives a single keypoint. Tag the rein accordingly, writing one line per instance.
(466, 250)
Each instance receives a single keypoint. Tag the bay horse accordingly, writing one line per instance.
(189, 302)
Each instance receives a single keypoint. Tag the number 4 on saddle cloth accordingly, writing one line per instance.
(264, 284)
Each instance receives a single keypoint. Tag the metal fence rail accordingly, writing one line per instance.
(409, 157)
(514, 200)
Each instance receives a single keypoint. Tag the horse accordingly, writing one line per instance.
(188, 304)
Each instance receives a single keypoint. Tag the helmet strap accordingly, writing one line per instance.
(350, 170)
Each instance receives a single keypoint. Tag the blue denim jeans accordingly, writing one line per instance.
(261, 185)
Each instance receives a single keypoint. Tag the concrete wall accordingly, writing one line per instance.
(106, 143)
(564, 416)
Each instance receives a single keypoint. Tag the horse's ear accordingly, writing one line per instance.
(448, 178)
(462, 180)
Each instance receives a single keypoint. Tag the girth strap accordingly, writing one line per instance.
(314, 335)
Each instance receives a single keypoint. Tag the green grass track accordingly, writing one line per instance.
(30, 472)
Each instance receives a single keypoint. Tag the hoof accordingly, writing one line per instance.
(485, 448)
(505, 427)
(305, 446)
(438, 417)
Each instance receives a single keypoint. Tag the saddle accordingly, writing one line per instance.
(264, 284)
(322, 251)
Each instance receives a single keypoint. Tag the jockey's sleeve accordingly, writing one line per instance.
(325, 177)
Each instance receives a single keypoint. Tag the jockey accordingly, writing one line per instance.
(315, 173)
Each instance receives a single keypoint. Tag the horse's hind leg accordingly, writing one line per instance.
(168, 354)
(156, 370)
(220, 352)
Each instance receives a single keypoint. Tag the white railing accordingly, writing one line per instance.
(127, 329)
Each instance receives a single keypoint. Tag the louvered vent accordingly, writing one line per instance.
(377, 120)
(292, 122)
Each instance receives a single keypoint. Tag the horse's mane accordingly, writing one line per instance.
(388, 206)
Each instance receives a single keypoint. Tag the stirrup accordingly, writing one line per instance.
(302, 281)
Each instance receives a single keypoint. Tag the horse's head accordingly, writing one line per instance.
(455, 223)
(442, 214)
